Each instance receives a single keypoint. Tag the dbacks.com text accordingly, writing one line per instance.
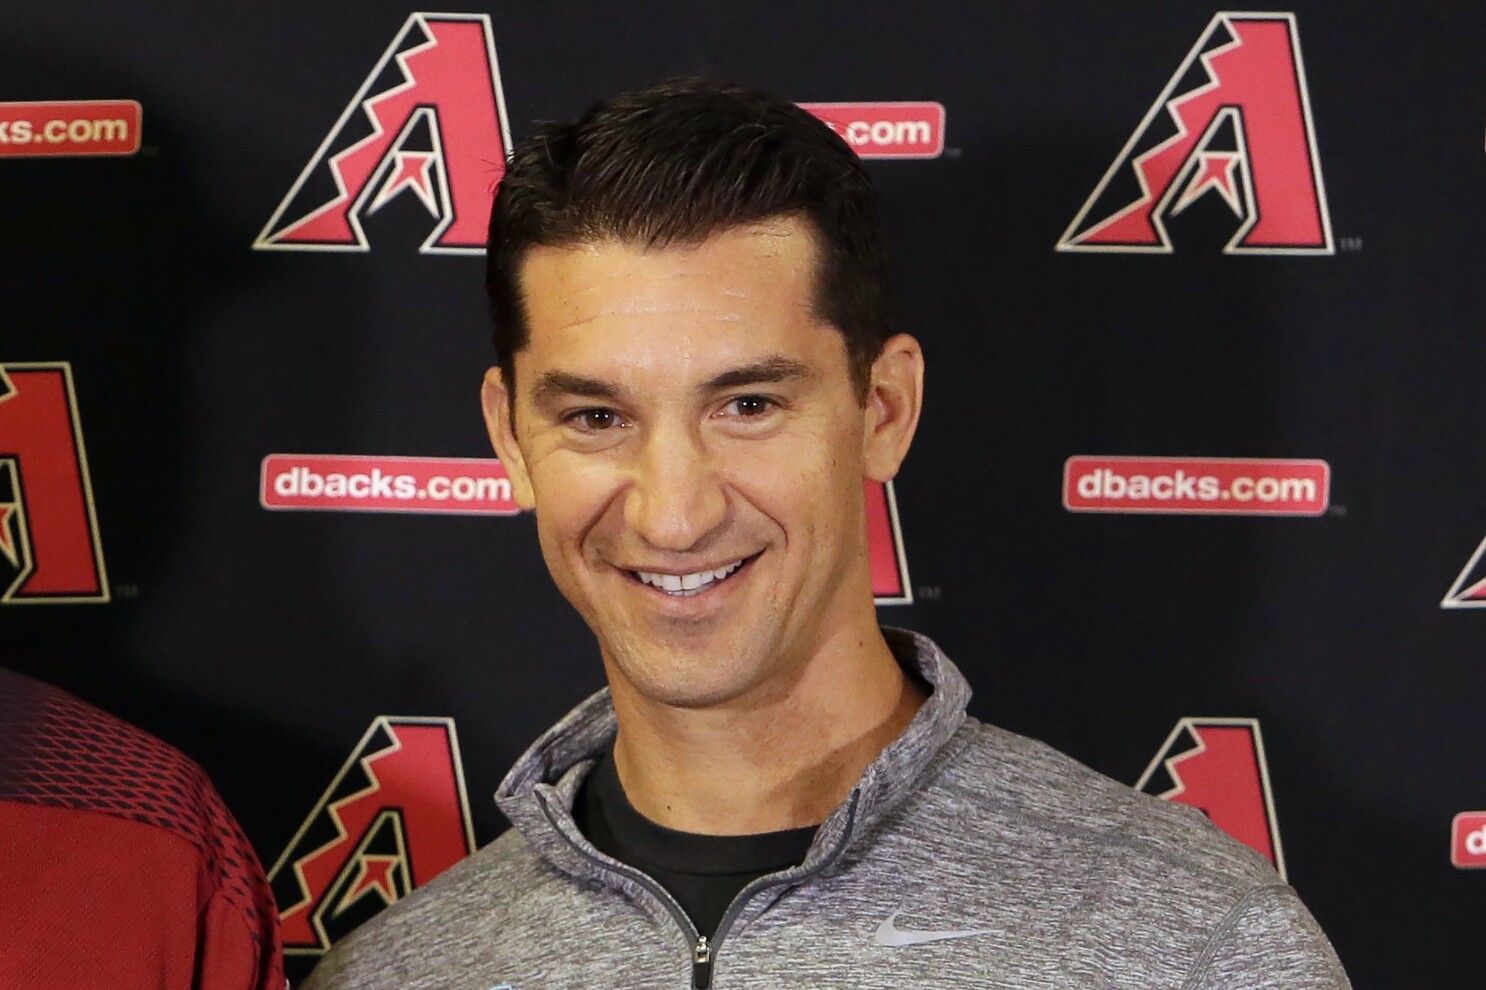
(79, 130)
(386, 484)
(886, 130)
(1196, 485)
(306, 483)
(91, 127)
(1180, 486)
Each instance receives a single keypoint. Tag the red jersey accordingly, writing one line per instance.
(121, 867)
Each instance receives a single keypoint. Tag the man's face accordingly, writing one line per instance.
(689, 437)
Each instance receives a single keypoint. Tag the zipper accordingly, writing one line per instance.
(701, 964)
(704, 950)
(702, 968)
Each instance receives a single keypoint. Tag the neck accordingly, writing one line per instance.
(746, 766)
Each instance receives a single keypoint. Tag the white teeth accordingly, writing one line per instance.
(687, 584)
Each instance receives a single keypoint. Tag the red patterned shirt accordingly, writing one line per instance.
(121, 866)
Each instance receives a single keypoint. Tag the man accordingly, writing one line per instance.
(122, 867)
(697, 371)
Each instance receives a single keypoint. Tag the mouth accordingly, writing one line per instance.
(695, 583)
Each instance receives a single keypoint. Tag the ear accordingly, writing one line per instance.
(496, 400)
(894, 397)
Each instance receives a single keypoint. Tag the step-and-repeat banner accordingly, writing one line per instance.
(1197, 497)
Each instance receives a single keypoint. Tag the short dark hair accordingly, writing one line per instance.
(676, 163)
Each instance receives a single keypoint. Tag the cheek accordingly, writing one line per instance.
(831, 452)
(554, 545)
(836, 493)
(575, 493)
(806, 481)
(561, 535)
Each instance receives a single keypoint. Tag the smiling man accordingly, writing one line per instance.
(698, 368)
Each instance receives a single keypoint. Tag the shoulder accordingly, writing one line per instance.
(497, 894)
(1044, 791)
(1093, 856)
(1268, 939)
(63, 752)
(110, 787)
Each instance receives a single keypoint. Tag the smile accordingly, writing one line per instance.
(684, 585)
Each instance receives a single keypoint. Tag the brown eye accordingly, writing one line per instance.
(595, 419)
(751, 405)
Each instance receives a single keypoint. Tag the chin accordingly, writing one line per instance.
(682, 680)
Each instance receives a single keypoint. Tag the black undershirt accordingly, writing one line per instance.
(703, 872)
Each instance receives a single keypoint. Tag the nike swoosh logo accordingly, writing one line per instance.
(889, 934)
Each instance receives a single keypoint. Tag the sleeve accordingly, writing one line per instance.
(239, 946)
(1268, 941)
(237, 949)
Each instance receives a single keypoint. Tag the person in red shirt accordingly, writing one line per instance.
(122, 868)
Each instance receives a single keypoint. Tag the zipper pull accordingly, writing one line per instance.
(701, 964)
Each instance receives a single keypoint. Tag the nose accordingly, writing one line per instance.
(676, 497)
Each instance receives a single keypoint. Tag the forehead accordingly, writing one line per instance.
(743, 289)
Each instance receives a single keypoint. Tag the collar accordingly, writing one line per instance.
(537, 795)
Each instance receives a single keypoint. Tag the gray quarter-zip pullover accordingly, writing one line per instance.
(966, 856)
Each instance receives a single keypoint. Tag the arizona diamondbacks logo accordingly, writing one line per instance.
(50, 551)
(1234, 120)
(394, 817)
(438, 132)
(1217, 765)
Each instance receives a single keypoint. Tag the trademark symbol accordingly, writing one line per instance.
(1349, 243)
(930, 592)
(1337, 510)
(952, 152)
(126, 591)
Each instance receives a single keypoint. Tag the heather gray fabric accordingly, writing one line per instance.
(1032, 870)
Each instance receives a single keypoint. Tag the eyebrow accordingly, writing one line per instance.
(767, 371)
(555, 384)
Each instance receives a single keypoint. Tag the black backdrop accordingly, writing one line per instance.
(266, 643)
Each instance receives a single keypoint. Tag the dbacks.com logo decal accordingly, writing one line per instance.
(1217, 765)
(394, 817)
(70, 128)
(1197, 485)
(347, 483)
(885, 130)
(439, 132)
(1235, 119)
(49, 545)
